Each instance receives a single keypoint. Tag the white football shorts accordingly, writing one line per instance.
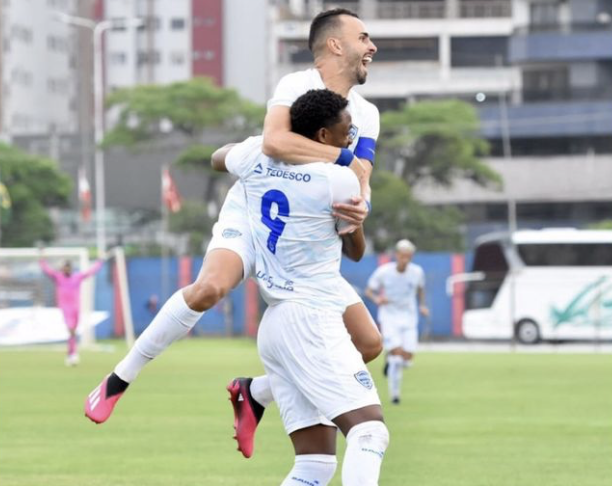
(397, 335)
(235, 235)
(315, 371)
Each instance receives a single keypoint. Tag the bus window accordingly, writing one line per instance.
(566, 254)
(489, 258)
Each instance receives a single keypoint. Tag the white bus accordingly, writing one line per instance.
(550, 284)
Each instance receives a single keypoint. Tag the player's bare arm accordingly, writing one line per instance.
(280, 142)
(353, 244)
(217, 161)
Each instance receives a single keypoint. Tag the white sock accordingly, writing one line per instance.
(311, 469)
(261, 390)
(366, 444)
(173, 321)
(394, 375)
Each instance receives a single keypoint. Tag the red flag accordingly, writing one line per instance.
(84, 195)
(170, 194)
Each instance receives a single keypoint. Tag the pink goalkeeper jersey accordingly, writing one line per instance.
(67, 288)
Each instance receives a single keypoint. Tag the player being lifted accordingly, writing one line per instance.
(318, 377)
(342, 50)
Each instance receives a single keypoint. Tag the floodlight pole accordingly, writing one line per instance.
(98, 29)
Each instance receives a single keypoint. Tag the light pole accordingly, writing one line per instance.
(98, 29)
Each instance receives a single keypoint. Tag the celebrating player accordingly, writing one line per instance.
(394, 288)
(342, 50)
(68, 297)
(318, 377)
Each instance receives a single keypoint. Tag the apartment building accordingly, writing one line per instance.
(38, 89)
(436, 48)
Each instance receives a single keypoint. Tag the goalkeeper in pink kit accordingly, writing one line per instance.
(68, 296)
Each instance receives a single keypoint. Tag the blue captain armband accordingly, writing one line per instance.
(366, 149)
(345, 158)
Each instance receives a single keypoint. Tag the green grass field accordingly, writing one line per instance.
(466, 419)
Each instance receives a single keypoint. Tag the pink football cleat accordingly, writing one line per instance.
(247, 414)
(99, 406)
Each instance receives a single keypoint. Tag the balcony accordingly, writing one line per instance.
(550, 119)
(485, 9)
(436, 9)
(410, 10)
(578, 42)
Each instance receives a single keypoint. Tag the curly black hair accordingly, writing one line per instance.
(315, 109)
(325, 21)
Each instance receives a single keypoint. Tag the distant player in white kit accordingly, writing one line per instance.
(395, 287)
(318, 377)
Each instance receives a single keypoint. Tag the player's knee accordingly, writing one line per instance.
(372, 435)
(202, 295)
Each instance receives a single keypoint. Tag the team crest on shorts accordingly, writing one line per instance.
(364, 378)
(231, 233)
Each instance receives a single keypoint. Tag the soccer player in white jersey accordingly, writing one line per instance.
(342, 50)
(396, 287)
(318, 377)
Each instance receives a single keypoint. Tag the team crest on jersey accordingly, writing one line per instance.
(353, 132)
(231, 233)
(258, 169)
(364, 378)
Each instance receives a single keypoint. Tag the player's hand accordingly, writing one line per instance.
(424, 310)
(353, 213)
(381, 300)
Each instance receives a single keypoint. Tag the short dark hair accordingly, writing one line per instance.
(316, 109)
(324, 22)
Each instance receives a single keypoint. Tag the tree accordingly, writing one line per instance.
(193, 218)
(436, 140)
(188, 108)
(34, 185)
(396, 214)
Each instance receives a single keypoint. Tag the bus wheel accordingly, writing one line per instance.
(527, 332)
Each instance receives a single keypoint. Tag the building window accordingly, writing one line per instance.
(479, 51)
(151, 23)
(148, 57)
(117, 58)
(546, 84)
(416, 49)
(544, 13)
(177, 58)
(21, 77)
(22, 34)
(57, 44)
(57, 86)
(177, 24)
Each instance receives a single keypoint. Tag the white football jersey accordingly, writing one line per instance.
(365, 120)
(400, 289)
(297, 247)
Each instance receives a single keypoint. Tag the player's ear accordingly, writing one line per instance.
(334, 46)
(321, 135)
